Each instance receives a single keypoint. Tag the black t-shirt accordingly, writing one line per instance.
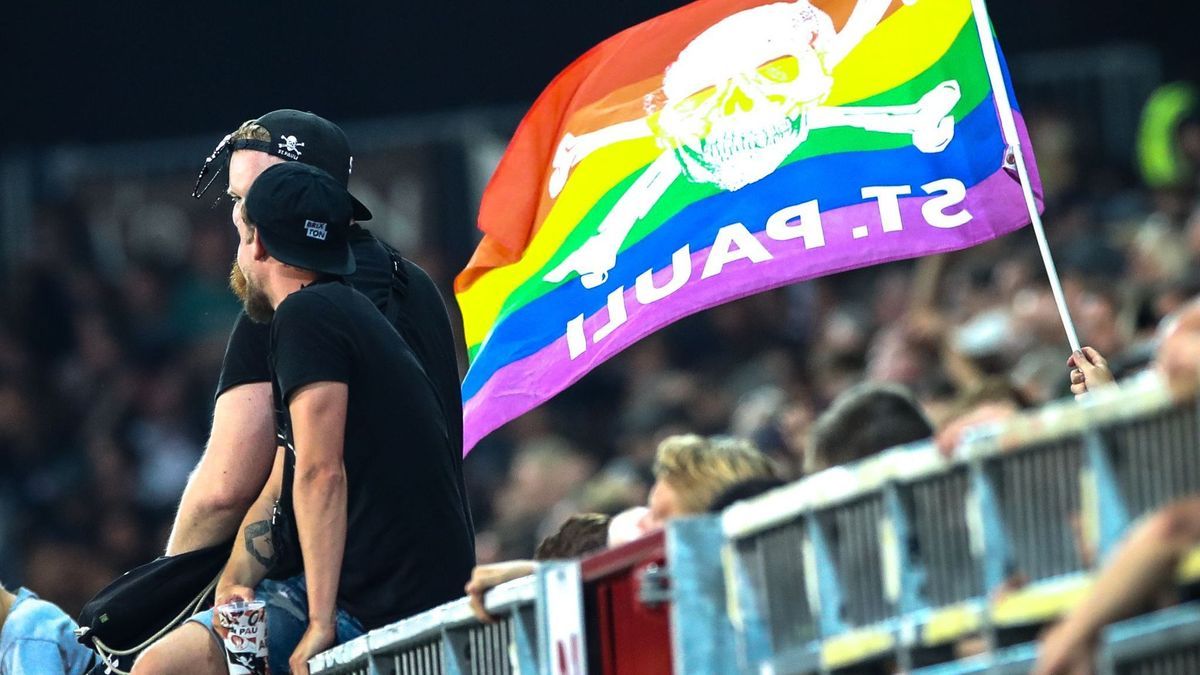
(411, 301)
(408, 539)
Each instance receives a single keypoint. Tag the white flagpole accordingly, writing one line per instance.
(1009, 128)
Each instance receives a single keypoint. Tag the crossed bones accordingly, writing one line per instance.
(927, 122)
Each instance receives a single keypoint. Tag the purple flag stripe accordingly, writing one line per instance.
(995, 204)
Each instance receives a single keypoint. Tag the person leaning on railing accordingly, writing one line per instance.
(370, 489)
(242, 439)
(863, 421)
(690, 471)
(583, 533)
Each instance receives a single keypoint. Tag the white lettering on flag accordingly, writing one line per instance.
(734, 242)
(934, 210)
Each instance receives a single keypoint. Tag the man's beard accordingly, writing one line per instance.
(254, 300)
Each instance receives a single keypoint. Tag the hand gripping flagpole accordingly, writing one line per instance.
(1009, 128)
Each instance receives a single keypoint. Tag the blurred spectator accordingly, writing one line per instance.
(690, 471)
(988, 402)
(1098, 317)
(545, 470)
(580, 535)
(1178, 357)
(1177, 360)
(1139, 575)
(866, 420)
(37, 638)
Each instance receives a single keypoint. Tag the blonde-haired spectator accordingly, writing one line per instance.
(691, 470)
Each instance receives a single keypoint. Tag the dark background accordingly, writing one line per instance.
(134, 70)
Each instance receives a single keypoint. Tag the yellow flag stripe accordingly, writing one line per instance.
(590, 180)
(902, 47)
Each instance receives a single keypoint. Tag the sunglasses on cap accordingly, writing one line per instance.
(219, 159)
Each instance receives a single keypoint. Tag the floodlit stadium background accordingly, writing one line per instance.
(115, 312)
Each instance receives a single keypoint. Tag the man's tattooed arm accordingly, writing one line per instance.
(259, 544)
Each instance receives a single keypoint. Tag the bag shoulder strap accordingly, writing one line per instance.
(108, 654)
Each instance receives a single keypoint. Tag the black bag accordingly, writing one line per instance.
(148, 602)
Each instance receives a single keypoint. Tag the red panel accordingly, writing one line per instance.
(629, 637)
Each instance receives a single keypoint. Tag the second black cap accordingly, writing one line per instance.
(303, 215)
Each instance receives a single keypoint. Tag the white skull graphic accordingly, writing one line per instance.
(290, 146)
(738, 100)
(734, 101)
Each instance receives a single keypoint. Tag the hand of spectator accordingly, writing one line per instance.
(1065, 651)
(1089, 371)
(486, 577)
(318, 637)
(948, 438)
(228, 594)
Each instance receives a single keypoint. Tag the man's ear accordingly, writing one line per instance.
(257, 249)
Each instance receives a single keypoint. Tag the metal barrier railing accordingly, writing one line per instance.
(1155, 458)
(1183, 659)
(942, 544)
(892, 562)
(897, 558)
(787, 609)
(448, 640)
(1160, 643)
(854, 534)
(1038, 491)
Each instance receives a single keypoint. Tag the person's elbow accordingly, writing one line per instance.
(222, 497)
(322, 475)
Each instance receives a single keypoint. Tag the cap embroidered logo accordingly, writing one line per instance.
(289, 147)
(315, 230)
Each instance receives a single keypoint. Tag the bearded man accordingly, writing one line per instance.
(365, 471)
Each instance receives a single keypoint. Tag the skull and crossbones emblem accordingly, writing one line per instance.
(289, 146)
(739, 99)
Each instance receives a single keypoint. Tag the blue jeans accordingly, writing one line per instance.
(287, 619)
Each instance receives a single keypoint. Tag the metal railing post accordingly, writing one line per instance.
(701, 633)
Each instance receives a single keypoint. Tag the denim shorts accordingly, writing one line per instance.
(287, 619)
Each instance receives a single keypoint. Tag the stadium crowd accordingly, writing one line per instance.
(107, 375)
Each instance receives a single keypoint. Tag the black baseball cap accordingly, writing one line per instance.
(303, 216)
(297, 136)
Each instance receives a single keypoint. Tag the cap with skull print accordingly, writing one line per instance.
(314, 140)
(303, 137)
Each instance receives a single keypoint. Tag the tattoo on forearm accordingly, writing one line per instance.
(259, 544)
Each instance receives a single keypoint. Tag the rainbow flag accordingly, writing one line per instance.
(723, 149)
